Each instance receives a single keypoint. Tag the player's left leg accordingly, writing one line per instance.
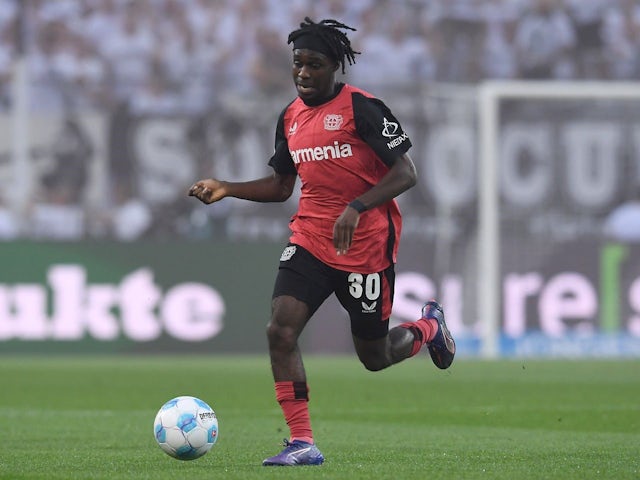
(368, 298)
(406, 340)
(383, 352)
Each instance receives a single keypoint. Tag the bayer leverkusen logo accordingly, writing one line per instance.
(333, 121)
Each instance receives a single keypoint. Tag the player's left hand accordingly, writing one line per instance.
(344, 229)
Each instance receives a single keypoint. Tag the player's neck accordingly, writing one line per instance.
(319, 101)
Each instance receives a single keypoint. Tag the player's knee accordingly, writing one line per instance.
(280, 337)
(374, 363)
(288, 318)
(373, 354)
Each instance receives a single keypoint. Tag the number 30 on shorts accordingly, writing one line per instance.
(368, 284)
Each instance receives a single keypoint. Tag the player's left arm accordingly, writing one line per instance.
(400, 177)
(382, 131)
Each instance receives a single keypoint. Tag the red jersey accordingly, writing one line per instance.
(340, 149)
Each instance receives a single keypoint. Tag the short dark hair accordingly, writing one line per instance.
(329, 31)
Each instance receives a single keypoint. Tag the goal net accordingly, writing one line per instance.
(555, 159)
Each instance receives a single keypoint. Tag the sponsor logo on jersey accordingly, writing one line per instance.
(397, 141)
(326, 152)
(333, 121)
(392, 130)
(287, 253)
(389, 129)
(369, 308)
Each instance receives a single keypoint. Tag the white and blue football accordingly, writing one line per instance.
(186, 428)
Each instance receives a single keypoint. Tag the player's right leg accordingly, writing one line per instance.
(288, 319)
(299, 290)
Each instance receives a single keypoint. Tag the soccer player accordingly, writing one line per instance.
(350, 153)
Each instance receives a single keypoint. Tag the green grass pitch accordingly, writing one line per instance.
(91, 418)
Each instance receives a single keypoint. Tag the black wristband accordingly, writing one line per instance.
(358, 206)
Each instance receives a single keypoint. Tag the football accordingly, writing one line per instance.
(185, 428)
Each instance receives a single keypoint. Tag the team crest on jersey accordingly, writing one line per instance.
(333, 121)
(287, 253)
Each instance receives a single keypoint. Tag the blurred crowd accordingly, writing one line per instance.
(190, 57)
(183, 55)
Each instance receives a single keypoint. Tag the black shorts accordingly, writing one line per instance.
(367, 298)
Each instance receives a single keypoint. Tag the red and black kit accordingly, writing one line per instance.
(341, 149)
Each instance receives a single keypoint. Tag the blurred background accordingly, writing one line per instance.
(524, 116)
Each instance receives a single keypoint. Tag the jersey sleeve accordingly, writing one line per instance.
(281, 160)
(379, 128)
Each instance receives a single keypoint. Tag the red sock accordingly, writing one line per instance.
(423, 331)
(293, 398)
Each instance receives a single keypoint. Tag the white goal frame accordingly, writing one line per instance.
(489, 95)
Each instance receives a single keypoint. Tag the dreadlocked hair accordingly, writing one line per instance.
(329, 31)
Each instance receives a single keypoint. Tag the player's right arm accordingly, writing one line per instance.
(277, 187)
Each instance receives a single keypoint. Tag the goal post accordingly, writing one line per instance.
(489, 96)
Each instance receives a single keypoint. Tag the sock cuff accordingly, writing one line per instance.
(413, 328)
(292, 391)
(424, 329)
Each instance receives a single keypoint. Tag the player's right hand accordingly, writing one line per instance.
(208, 191)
